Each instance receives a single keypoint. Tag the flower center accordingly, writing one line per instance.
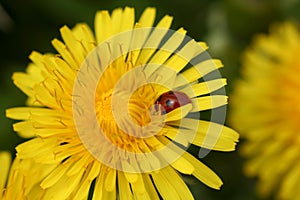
(126, 117)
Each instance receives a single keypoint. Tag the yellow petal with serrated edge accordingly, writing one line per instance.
(127, 19)
(208, 134)
(103, 26)
(24, 129)
(203, 173)
(116, 20)
(24, 78)
(203, 45)
(35, 146)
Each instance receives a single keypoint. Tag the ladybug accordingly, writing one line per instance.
(171, 100)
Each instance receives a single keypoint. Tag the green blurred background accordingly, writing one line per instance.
(227, 26)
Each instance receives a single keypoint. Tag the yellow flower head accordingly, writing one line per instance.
(112, 114)
(265, 109)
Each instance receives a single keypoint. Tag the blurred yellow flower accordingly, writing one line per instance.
(266, 111)
(109, 116)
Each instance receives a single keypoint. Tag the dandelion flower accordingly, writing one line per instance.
(112, 114)
(265, 109)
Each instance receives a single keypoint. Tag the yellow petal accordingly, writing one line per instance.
(80, 164)
(209, 135)
(203, 45)
(124, 187)
(24, 86)
(164, 187)
(183, 166)
(110, 195)
(180, 136)
(181, 188)
(116, 20)
(5, 160)
(178, 61)
(127, 19)
(35, 72)
(36, 192)
(55, 176)
(147, 18)
(85, 35)
(98, 191)
(171, 154)
(203, 173)
(25, 79)
(198, 71)
(65, 74)
(34, 147)
(56, 191)
(92, 172)
(165, 22)
(110, 180)
(203, 88)
(24, 129)
(15, 182)
(150, 189)
(216, 136)
(73, 45)
(166, 51)
(154, 40)
(28, 129)
(65, 53)
(37, 59)
(103, 26)
(138, 186)
(178, 113)
(208, 102)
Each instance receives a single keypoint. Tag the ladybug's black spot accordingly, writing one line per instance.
(168, 103)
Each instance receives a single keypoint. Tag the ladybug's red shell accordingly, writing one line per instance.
(173, 99)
